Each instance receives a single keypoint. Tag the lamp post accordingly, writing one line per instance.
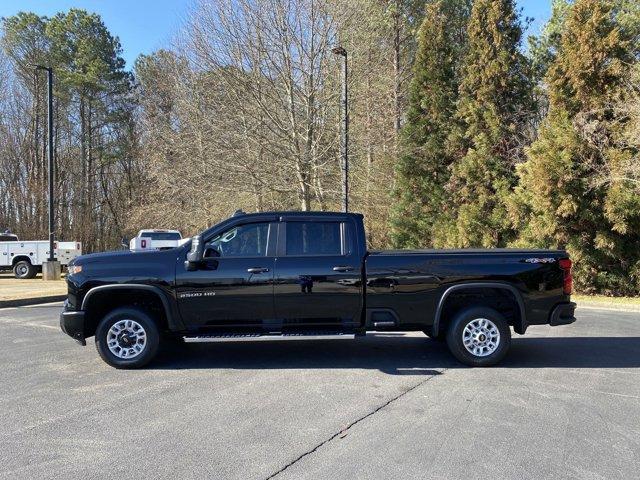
(344, 137)
(51, 268)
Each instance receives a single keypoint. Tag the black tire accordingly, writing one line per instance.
(23, 270)
(441, 337)
(456, 343)
(148, 350)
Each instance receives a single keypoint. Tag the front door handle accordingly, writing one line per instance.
(343, 268)
(257, 270)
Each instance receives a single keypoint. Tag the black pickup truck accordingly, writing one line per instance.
(299, 274)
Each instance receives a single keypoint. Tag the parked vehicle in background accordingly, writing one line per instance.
(7, 236)
(293, 275)
(156, 239)
(25, 257)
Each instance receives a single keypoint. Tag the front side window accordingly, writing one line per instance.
(313, 238)
(242, 241)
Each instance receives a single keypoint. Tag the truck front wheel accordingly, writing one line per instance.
(23, 269)
(127, 338)
(479, 337)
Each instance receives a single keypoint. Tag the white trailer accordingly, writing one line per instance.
(25, 258)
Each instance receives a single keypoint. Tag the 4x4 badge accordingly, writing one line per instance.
(540, 260)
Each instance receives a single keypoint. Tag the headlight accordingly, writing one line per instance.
(73, 269)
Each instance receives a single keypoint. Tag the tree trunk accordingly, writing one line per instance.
(397, 27)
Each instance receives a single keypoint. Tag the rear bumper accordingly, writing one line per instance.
(563, 314)
(72, 323)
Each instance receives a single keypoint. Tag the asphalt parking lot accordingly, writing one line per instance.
(565, 404)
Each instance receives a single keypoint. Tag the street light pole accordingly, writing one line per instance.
(344, 138)
(52, 270)
(50, 159)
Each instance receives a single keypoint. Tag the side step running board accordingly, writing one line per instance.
(261, 338)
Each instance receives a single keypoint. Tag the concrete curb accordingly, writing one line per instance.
(22, 302)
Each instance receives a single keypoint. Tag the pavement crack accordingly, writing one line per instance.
(343, 431)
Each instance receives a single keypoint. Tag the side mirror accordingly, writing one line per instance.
(211, 253)
(196, 254)
(124, 242)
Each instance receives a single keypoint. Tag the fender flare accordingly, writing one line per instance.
(462, 286)
(173, 321)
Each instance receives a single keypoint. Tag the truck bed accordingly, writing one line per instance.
(469, 251)
(412, 282)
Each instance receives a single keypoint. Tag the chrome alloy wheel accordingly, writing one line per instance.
(126, 339)
(481, 337)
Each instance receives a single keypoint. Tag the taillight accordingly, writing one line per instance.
(567, 279)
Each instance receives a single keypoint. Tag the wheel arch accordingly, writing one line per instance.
(19, 258)
(94, 303)
(520, 323)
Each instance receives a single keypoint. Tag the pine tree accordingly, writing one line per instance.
(566, 197)
(422, 169)
(544, 48)
(495, 104)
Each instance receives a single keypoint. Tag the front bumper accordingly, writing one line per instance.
(72, 323)
(563, 314)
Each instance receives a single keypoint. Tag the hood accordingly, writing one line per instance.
(124, 256)
(126, 264)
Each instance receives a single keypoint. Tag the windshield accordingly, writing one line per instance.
(162, 235)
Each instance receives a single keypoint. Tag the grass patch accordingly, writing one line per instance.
(14, 289)
(601, 299)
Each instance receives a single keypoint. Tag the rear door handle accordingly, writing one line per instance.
(343, 268)
(257, 270)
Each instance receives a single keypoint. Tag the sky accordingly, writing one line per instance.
(146, 25)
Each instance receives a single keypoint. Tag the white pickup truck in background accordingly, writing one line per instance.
(155, 239)
(25, 257)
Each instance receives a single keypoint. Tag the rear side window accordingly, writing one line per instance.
(313, 238)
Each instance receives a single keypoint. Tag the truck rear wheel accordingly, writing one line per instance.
(23, 269)
(479, 337)
(127, 338)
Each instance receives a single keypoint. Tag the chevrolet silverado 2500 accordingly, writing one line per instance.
(309, 274)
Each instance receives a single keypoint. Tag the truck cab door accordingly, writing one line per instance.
(318, 283)
(232, 289)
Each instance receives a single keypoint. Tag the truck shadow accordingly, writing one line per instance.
(397, 354)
